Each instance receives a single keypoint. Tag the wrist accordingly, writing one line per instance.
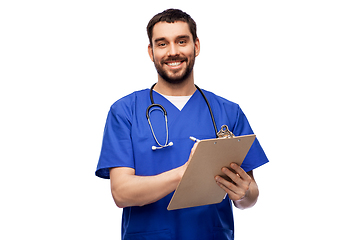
(250, 197)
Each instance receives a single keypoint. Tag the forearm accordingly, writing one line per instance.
(250, 198)
(131, 190)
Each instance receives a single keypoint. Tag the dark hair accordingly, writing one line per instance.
(171, 16)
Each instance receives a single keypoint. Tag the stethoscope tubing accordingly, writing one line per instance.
(166, 126)
(211, 113)
(148, 110)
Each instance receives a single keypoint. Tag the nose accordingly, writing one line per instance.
(173, 50)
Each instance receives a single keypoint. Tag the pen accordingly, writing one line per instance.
(194, 139)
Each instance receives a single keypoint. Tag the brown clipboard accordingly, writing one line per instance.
(198, 186)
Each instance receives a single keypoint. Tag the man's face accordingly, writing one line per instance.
(173, 51)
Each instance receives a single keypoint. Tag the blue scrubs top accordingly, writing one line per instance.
(128, 140)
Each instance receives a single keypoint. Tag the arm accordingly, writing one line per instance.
(129, 189)
(243, 191)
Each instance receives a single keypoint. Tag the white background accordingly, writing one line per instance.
(293, 66)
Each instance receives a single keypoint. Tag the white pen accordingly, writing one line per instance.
(194, 139)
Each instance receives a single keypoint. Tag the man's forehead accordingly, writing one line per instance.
(170, 30)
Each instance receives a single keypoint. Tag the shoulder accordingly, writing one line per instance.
(127, 102)
(228, 112)
(221, 101)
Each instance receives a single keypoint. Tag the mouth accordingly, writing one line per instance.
(173, 64)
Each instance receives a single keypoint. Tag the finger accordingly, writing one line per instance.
(193, 150)
(232, 195)
(228, 185)
(232, 175)
(241, 173)
(242, 184)
(237, 175)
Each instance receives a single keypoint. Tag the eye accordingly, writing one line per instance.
(182, 42)
(161, 44)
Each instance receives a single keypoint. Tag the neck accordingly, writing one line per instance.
(185, 88)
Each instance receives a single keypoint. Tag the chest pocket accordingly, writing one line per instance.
(156, 235)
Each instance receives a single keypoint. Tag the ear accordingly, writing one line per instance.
(197, 47)
(151, 53)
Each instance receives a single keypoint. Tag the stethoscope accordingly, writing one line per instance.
(155, 106)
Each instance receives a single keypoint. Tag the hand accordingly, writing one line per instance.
(183, 167)
(239, 187)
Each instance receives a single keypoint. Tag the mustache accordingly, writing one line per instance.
(174, 59)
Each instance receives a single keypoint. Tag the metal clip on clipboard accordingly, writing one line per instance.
(225, 132)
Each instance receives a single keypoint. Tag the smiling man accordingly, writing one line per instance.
(143, 176)
(173, 50)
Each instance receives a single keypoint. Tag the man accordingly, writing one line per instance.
(142, 179)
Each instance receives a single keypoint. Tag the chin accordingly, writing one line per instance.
(176, 79)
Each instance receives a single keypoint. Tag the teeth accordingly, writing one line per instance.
(173, 64)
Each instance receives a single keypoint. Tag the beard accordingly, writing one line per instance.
(177, 76)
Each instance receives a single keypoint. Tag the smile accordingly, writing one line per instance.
(173, 64)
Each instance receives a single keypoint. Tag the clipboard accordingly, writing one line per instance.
(198, 186)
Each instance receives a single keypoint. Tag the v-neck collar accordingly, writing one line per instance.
(168, 104)
(178, 101)
(173, 113)
(194, 114)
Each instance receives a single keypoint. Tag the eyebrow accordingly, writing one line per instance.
(159, 40)
(183, 36)
(178, 37)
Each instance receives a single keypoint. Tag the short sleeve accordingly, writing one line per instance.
(116, 150)
(256, 155)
